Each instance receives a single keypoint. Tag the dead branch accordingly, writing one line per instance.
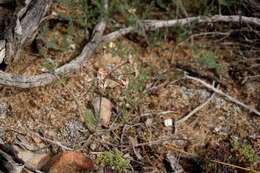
(46, 78)
(151, 25)
(21, 81)
(194, 111)
(17, 28)
(219, 92)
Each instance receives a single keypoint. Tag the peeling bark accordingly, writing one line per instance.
(17, 27)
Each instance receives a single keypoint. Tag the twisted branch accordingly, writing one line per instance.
(21, 81)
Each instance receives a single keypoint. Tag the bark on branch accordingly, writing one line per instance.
(21, 81)
(46, 78)
(18, 27)
(151, 25)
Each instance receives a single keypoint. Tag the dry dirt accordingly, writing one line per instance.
(138, 115)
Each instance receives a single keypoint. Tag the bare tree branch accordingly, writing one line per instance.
(219, 92)
(46, 78)
(151, 25)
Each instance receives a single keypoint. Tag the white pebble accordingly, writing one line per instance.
(168, 122)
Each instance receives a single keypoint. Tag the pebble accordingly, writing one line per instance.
(168, 122)
(3, 110)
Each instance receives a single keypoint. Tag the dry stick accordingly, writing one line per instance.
(193, 156)
(232, 99)
(158, 113)
(235, 166)
(50, 141)
(157, 142)
(194, 111)
(21, 81)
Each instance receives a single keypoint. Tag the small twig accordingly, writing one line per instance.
(219, 92)
(250, 78)
(125, 128)
(51, 141)
(190, 155)
(234, 166)
(156, 142)
(157, 113)
(194, 111)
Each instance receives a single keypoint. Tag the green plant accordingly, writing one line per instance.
(207, 59)
(155, 38)
(113, 159)
(244, 152)
(124, 51)
(180, 33)
(89, 118)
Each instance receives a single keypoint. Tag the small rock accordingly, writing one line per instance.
(93, 147)
(3, 110)
(168, 122)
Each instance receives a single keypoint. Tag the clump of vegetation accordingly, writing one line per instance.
(113, 159)
(139, 75)
(244, 152)
(207, 59)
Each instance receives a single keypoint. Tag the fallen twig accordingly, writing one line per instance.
(156, 142)
(194, 111)
(219, 92)
(157, 113)
(51, 141)
(234, 166)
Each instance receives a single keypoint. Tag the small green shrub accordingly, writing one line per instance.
(208, 60)
(113, 159)
(244, 151)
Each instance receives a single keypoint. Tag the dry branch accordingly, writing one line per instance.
(18, 27)
(46, 78)
(219, 92)
(151, 25)
(194, 111)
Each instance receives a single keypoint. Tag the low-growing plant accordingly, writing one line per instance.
(244, 152)
(113, 159)
(89, 118)
(208, 59)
